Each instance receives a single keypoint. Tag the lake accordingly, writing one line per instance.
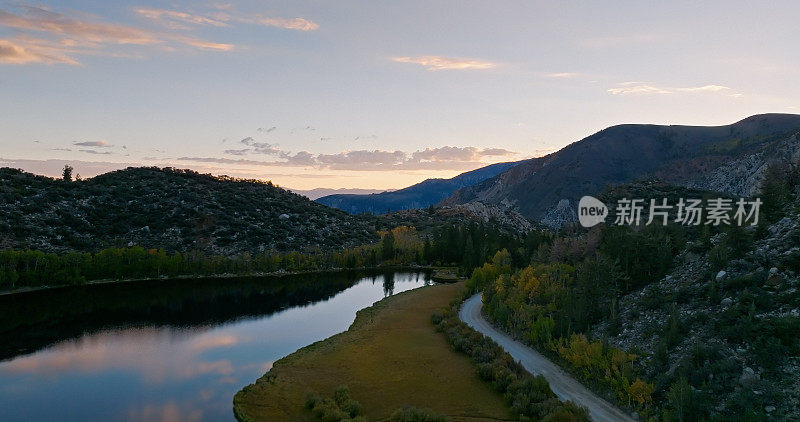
(167, 350)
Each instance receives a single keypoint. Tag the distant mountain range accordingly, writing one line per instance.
(421, 195)
(317, 193)
(729, 158)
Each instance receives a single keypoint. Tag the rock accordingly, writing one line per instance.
(727, 302)
(748, 377)
(773, 271)
(721, 274)
(769, 409)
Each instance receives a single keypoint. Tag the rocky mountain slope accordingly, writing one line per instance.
(727, 158)
(728, 325)
(178, 210)
(421, 195)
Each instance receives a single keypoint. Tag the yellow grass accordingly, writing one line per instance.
(389, 358)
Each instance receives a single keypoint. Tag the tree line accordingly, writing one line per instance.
(461, 246)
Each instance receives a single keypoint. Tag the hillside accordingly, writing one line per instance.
(707, 317)
(421, 195)
(178, 210)
(722, 323)
(727, 158)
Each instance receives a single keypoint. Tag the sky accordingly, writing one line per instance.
(372, 94)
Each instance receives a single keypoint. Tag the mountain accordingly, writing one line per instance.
(730, 158)
(178, 210)
(421, 195)
(317, 193)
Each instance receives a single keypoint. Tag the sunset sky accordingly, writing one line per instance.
(372, 94)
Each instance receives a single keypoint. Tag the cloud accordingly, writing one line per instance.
(359, 158)
(303, 129)
(463, 154)
(260, 147)
(94, 151)
(445, 63)
(205, 45)
(97, 144)
(61, 38)
(173, 18)
(268, 130)
(562, 75)
(32, 51)
(638, 90)
(643, 88)
(705, 88)
(443, 158)
(237, 151)
(298, 24)
(43, 20)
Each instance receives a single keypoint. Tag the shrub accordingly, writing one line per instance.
(414, 414)
(341, 407)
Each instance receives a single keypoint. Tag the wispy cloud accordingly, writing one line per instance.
(206, 45)
(643, 88)
(237, 151)
(97, 144)
(562, 75)
(222, 17)
(298, 24)
(260, 147)
(61, 38)
(463, 154)
(27, 50)
(704, 88)
(443, 158)
(44, 20)
(94, 151)
(446, 63)
(175, 19)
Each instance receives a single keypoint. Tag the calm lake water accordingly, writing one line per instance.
(171, 351)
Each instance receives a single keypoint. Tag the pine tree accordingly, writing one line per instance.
(66, 174)
(387, 245)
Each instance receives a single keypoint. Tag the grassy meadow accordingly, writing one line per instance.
(390, 357)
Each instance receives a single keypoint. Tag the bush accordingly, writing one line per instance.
(341, 407)
(413, 414)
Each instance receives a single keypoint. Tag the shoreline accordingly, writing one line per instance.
(280, 273)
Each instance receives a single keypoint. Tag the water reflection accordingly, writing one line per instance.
(167, 351)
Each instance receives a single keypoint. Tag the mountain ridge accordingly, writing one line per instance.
(420, 195)
(623, 153)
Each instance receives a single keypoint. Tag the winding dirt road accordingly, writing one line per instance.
(562, 384)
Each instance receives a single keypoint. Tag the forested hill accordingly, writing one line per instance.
(179, 210)
(421, 195)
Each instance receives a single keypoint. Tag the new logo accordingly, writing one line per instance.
(591, 211)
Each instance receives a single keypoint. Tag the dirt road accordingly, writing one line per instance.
(565, 387)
